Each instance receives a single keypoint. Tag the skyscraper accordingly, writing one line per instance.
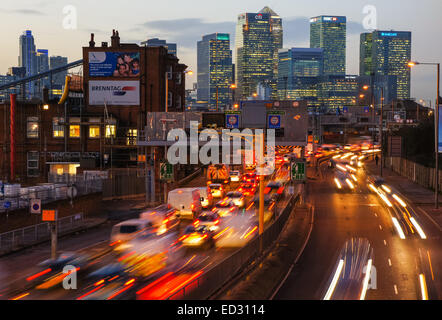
(27, 58)
(337, 91)
(277, 35)
(215, 70)
(299, 72)
(258, 36)
(58, 80)
(330, 33)
(155, 42)
(42, 66)
(390, 53)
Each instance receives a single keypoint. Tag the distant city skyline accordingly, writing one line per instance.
(182, 24)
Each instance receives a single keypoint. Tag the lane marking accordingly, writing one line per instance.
(376, 215)
(380, 227)
(389, 262)
(385, 242)
(395, 290)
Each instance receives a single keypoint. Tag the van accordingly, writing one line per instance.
(206, 197)
(128, 230)
(187, 201)
(163, 217)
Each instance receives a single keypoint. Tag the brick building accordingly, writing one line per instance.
(55, 140)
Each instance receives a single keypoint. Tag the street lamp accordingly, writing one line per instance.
(233, 87)
(436, 126)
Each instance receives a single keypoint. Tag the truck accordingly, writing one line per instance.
(187, 202)
(218, 173)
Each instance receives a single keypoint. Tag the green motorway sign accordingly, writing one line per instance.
(298, 172)
(166, 172)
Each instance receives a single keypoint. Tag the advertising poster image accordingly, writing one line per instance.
(114, 64)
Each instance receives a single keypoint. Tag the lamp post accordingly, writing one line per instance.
(233, 88)
(436, 127)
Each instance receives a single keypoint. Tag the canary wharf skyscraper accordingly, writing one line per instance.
(387, 53)
(329, 33)
(215, 70)
(258, 38)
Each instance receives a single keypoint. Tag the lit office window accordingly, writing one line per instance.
(32, 127)
(94, 131)
(111, 131)
(132, 137)
(58, 127)
(74, 131)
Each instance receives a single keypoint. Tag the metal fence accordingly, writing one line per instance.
(415, 172)
(34, 234)
(216, 277)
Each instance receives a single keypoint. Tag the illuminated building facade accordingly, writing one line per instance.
(390, 53)
(299, 73)
(255, 53)
(215, 71)
(330, 34)
(337, 91)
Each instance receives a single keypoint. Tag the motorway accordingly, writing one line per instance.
(16, 269)
(341, 215)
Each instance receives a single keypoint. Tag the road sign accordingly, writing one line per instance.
(72, 192)
(49, 215)
(166, 172)
(274, 121)
(35, 206)
(7, 204)
(232, 121)
(298, 172)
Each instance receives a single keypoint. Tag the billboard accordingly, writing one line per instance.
(114, 93)
(114, 64)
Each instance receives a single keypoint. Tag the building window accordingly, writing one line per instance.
(74, 131)
(111, 131)
(169, 100)
(178, 78)
(94, 132)
(132, 137)
(33, 158)
(58, 127)
(169, 72)
(32, 127)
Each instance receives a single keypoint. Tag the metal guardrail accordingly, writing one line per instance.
(31, 235)
(209, 282)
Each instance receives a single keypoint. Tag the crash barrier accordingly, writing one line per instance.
(12, 240)
(215, 278)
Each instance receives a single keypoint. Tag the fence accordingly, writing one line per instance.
(417, 173)
(34, 234)
(18, 197)
(216, 277)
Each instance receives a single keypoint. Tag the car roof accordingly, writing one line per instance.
(137, 222)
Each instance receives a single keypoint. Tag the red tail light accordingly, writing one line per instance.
(267, 190)
(217, 222)
(196, 223)
(280, 190)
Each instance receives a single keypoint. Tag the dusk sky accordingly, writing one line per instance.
(184, 22)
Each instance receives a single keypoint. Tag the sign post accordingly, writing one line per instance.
(166, 172)
(51, 216)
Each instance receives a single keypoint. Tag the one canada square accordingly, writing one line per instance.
(258, 39)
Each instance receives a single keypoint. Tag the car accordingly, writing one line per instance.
(344, 181)
(209, 219)
(248, 177)
(247, 189)
(163, 217)
(217, 190)
(206, 197)
(274, 189)
(237, 197)
(235, 176)
(128, 230)
(197, 237)
(225, 208)
(269, 207)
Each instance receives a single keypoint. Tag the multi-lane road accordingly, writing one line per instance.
(398, 264)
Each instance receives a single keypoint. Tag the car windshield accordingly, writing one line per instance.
(215, 186)
(207, 218)
(128, 229)
(234, 195)
(192, 229)
(247, 186)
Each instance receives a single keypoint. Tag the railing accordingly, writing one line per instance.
(215, 278)
(28, 236)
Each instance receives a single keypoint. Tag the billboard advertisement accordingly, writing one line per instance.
(114, 93)
(114, 64)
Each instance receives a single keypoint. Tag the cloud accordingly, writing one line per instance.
(27, 12)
